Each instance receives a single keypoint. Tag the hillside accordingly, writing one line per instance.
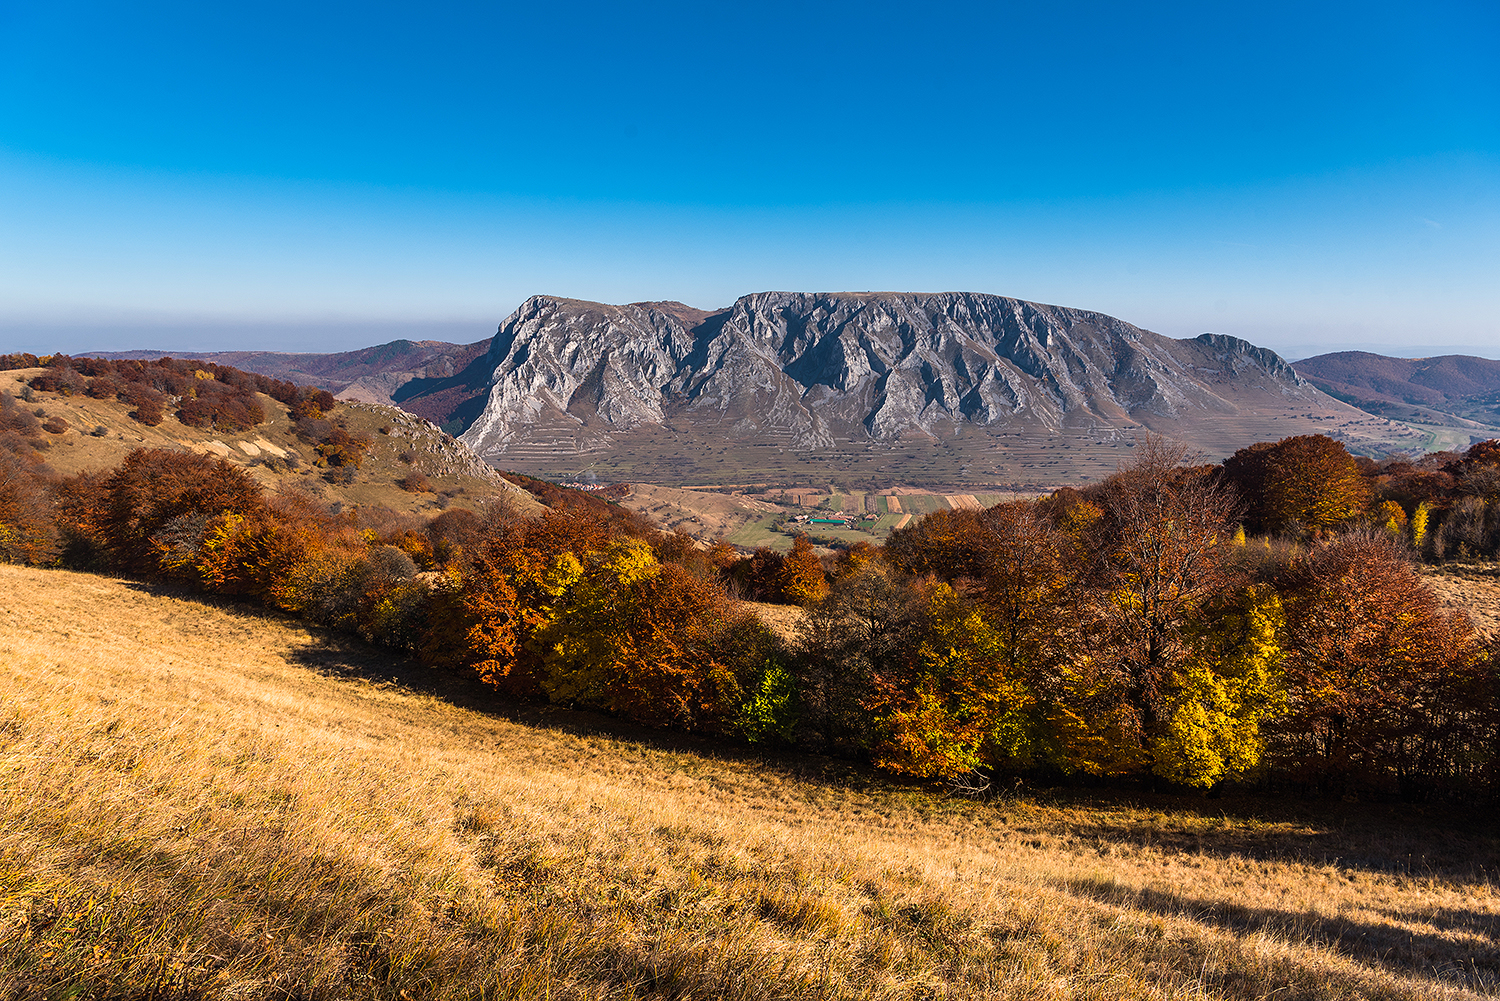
(1450, 390)
(431, 379)
(207, 803)
(99, 433)
(877, 389)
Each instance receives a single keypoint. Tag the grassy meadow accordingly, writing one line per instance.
(203, 801)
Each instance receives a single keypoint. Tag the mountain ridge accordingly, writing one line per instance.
(811, 373)
(1463, 390)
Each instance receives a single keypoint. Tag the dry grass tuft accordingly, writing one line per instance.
(209, 803)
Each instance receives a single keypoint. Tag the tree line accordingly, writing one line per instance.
(1262, 621)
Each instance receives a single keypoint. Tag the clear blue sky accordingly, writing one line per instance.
(317, 176)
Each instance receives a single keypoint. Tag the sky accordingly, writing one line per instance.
(322, 176)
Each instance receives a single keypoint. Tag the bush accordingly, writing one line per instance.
(415, 483)
(54, 425)
(154, 486)
(148, 403)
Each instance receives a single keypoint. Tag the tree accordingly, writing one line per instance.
(1308, 480)
(947, 704)
(802, 581)
(1379, 674)
(1164, 550)
(152, 487)
(636, 637)
(27, 531)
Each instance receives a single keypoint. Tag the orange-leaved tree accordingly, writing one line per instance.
(1308, 480)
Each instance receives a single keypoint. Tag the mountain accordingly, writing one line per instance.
(1456, 390)
(435, 380)
(920, 387)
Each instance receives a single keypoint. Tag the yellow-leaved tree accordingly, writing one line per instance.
(1217, 700)
(639, 638)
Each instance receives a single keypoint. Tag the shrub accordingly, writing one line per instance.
(148, 403)
(154, 486)
(414, 483)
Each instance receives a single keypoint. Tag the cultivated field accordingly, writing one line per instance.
(205, 802)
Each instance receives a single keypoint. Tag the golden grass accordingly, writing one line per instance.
(199, 801)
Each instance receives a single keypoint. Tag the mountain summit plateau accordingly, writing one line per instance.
(922, 387)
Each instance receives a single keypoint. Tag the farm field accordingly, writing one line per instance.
(750, 519)
(204, 801)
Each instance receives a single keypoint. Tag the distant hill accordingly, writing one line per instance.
(877, 387)
(432, 379)
(1457, 390)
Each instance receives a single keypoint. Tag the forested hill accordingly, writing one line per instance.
(432, 379)
(1445, 389)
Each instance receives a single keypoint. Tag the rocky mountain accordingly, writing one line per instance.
(923, 387)
(1455, 390)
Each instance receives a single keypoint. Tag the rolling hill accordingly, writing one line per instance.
(1458, 391)
(96, 434)
(435, 380)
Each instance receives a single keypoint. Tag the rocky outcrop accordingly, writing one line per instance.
(821, 370)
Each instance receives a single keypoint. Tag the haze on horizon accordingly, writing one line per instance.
(285, 177)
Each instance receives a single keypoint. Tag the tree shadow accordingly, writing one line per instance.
(1464, 948)
(1392, 839)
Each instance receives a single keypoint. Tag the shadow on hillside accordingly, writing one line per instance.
(1387, 839)
(1463, 948)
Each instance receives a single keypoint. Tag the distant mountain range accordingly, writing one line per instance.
(444, 383)
(1450, 390)
(866, 387)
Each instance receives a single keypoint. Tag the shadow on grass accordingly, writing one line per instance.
(1464, 948)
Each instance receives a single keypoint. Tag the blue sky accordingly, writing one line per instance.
(323, 176)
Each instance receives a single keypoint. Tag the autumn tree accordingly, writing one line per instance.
(636, 637)
(1309, 481)
(1382, 676)
(949, 703)
(860, 627)
(152, 487)
(1163, 550)
(28, 533)
(801, 580)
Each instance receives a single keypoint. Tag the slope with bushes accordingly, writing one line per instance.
(350, 455)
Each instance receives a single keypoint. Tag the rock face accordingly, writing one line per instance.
(820, 372)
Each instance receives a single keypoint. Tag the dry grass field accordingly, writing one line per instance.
(200, 801)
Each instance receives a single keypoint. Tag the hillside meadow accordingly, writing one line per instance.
(205, 801)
